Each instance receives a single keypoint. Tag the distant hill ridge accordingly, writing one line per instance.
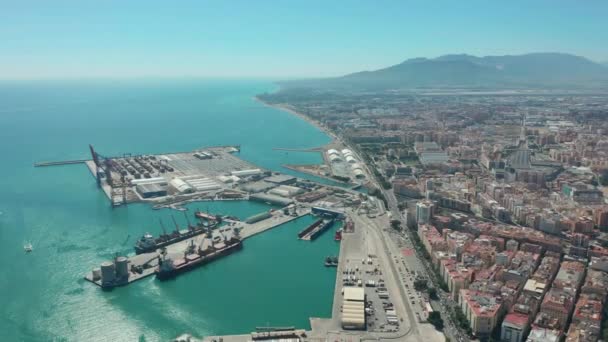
(462, 70)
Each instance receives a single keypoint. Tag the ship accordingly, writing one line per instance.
(169, 268)
(322, 228)
(331, 261)
(148, 243)
(308, 229)
(338, 235)
(201, 215)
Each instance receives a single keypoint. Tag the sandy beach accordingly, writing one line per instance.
(287, 108)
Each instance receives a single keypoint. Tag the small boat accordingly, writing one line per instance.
(28, 247)
(331, 261)
(338, 235)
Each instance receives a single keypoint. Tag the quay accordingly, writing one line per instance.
(126, 270)
(57, 163)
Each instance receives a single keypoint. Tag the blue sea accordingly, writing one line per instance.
(276, 279)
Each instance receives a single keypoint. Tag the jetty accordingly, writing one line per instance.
(57, 163)
(124, 270)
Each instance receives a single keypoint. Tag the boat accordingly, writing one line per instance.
(308, 229)
(148, 243)
(28, 247)
(322, 228)
(201, 215)
(331, 261)
(338, 235)
(169, 268)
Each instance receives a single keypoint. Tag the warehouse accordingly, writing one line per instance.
(353, 308)
(351, 159)
(149, 190)
(334, 158)
(272, 199)
(244, 173)
(180, 187)
(281, 179)
(327, 212)
(358, 173)
(229, 179)
(203, 184)
(286, 191)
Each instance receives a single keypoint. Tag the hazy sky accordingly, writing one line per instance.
(282, 38)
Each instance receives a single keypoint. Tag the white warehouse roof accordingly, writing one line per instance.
(354, 294)
(181, 186)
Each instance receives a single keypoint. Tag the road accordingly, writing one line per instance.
(450, 328)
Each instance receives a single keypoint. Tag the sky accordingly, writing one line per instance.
(65, 39)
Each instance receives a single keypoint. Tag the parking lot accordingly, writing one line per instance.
(380, 312)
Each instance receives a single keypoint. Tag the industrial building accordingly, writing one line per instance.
(178, 186)
(353, 308)
(150, 190)
(286, 191)
(272, 199)
(327, 212)
(281, 179)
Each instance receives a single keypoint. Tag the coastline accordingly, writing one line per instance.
(289, 109)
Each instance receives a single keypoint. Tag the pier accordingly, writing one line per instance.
(57, 163)
(316, 149)
(126, 270)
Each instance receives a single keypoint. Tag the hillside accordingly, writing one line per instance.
(529, 70)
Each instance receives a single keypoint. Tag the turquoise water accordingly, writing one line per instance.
(276, 279)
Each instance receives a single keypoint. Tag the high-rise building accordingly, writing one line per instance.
(424, 212)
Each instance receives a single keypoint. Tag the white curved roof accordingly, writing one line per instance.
(334, 158)
(332, 151)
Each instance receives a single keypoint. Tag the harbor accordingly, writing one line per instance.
(124, 270)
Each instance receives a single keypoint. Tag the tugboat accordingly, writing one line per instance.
(338, 236)
(331, 261)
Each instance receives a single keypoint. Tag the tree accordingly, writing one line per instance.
(436, 320)
(396, 224)
(432, 293)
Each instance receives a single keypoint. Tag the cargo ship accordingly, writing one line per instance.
(308, 229)
(170, 268)
(148, 243)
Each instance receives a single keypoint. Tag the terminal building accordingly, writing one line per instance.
(353, 308)
(327, 212)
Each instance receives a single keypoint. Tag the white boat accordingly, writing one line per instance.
(28, 247)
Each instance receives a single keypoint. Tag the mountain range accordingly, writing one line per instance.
(462, 70)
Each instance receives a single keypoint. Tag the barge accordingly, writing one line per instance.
(321, 229)
(308, 229)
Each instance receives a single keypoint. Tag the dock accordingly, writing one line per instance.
(57, 163)
(127, 270)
